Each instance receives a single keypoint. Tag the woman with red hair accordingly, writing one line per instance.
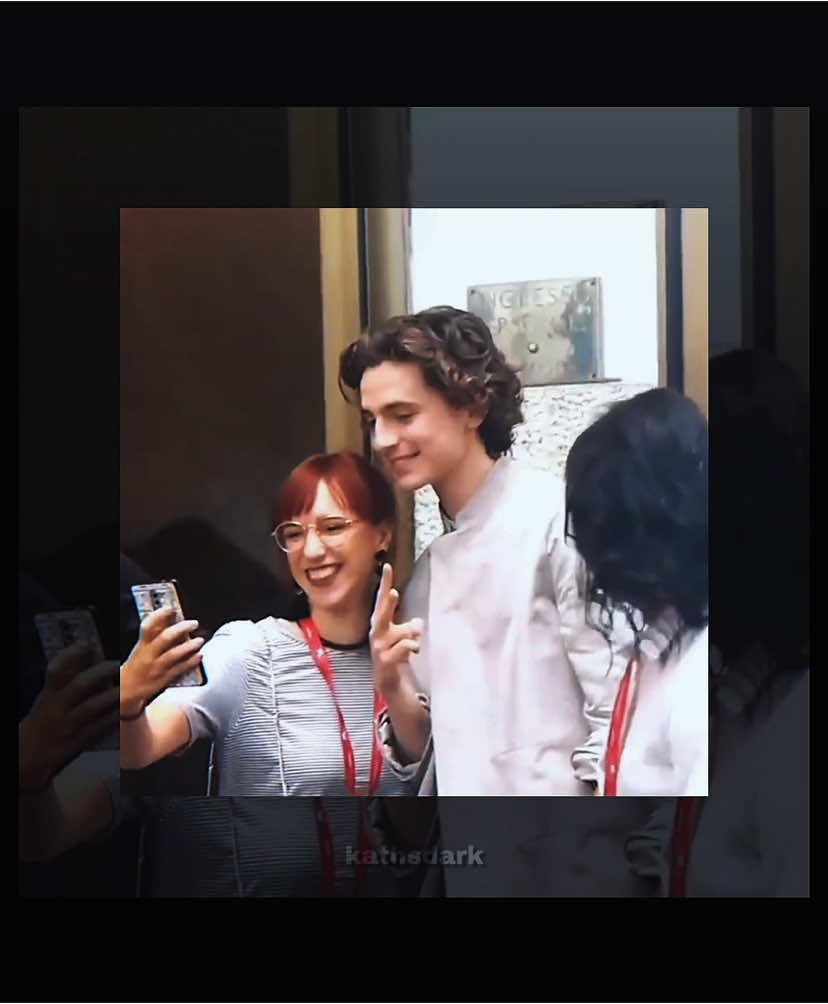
(293, 707)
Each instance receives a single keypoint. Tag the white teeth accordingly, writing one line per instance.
(322, 574)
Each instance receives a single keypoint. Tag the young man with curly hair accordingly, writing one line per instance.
(521, 686)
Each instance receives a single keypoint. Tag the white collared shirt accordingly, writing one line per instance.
(666, 749)
(521, 687)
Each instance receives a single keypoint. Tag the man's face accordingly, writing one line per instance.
(419, 436)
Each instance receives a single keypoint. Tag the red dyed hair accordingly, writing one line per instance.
(353, 481)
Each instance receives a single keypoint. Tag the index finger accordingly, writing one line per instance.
(154, 623)
(382, 607)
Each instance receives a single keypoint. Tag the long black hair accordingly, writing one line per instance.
(636, 510)
(760, 506)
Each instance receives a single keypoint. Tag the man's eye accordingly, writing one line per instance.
(405, 418)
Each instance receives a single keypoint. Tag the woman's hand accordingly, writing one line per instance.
(391, 644)
(164, 651)
(77, 706)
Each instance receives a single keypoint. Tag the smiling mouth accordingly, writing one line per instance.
(402, 460)
(322, 575)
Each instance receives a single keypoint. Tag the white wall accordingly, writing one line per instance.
(614, 156)
(453, 249)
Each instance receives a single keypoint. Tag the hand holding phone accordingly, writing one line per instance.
(61, 629)
(165, 654)
(161, 596)
(78, 703)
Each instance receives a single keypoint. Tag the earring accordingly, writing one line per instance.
(380, 557)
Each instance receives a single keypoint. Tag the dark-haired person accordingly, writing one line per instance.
(750, 836)
(636, 498)
(752, 831)
(521, 687)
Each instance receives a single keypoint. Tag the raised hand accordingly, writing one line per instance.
(77, 706)
(163, 652)
(391, 644)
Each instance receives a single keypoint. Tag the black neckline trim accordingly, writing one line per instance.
(336, 645)
(344, 648)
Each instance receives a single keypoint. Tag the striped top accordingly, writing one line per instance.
(273, 720)
(228, 847)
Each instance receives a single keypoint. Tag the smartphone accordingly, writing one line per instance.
(63, 628)
(58, 631)
(154, 596)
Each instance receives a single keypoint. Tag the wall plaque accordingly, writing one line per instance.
(549, 330)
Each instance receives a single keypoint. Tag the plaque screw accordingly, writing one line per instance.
(532, 346)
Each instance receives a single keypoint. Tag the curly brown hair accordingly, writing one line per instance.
(458, 358)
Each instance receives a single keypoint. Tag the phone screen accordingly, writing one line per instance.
(154, 596)
(59, 630)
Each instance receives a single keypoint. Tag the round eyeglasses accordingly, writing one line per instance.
(331, 530)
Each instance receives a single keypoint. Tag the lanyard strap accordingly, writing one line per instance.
(325, 667)
(327, 851)
(620, 724)
(683, 832)
(688, 811)
(685, 820)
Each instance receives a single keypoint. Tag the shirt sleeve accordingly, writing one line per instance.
(392, 753)
(598, 664)
(688, 724)
(414, 603)
(403, 864)
(228, 658)
(648, 847)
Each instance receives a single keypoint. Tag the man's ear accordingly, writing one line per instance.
(477, 413)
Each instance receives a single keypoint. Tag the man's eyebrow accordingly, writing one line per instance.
(390, 406)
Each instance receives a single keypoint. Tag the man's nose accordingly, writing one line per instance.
(383, 435)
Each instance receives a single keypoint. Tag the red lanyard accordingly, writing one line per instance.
(323, 663)
(620, 724)
(684, 829)
(323, 829)
(682, 839)
(326, 845)
(686, 811)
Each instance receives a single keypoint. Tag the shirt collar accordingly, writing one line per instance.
(483, 500)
